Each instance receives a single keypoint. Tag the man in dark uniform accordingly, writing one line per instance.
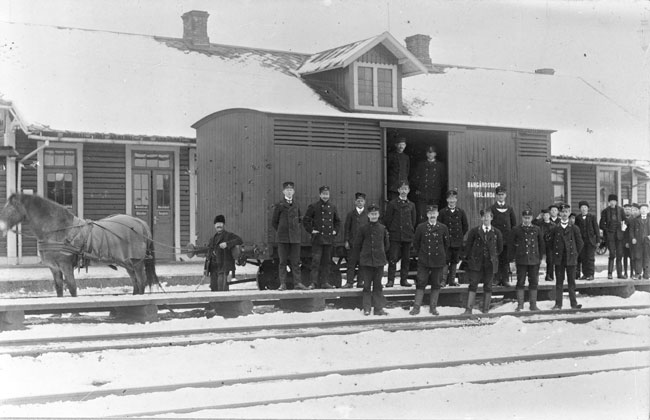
(641, 243)
(611, 219)
(400, 220)
(429, 182)
(431, 244)
(504, 220)
(286, 222)
(219, 260)
(370, 243)
(590, 233)
(456, 221)
(545, 224)
(566, 243)
(528, 243)
(322, 222)
(398, 167)
(482, 248)
(355, 218)
(627, 240)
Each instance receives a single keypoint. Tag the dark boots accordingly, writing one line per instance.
(520, 300)
(487, 298)
(471, 298)
(419, 295)
(451, 278)
(533, 300)
(433, 303)
(610, 269)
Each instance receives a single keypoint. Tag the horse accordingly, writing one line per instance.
(67, 242)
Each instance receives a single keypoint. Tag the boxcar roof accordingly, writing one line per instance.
(89, 81)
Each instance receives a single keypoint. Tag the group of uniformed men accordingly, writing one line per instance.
(441, 241)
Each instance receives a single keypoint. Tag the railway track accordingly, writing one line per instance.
(148, 339)
(302, 376)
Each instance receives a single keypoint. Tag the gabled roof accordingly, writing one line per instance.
(345, 55)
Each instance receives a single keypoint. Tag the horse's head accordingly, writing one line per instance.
(12, 214)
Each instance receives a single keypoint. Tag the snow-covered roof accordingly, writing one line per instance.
(588, 124)
(343, 56)
(81, 81)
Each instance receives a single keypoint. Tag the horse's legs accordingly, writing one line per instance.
(58, 281)
(68, 273)
(138, 277)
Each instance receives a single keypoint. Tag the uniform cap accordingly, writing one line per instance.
(635, 205)
(432, 208)
(288, 184)
(583, 203)
(360, 195)
(323, 188)
(400, 139)
(557, 206)
(643, 205)
(500, 189)
(612, 197)
(544, 211)
(627, 205)
(219, 219)
(564, 207)
(373, 207)
(526, 213)
(452, 192)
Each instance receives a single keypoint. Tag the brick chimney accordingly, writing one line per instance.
(418, 45)
(195, 28)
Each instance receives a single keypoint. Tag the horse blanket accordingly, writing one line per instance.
(117, 238)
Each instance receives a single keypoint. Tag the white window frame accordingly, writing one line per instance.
(567, 168)
(375, 90)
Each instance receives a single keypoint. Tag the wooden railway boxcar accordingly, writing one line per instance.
(244, 155)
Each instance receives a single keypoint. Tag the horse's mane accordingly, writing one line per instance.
(42, 210)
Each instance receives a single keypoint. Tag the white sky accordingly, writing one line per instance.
(598, 40)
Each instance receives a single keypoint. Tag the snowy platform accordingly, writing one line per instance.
(144, 308)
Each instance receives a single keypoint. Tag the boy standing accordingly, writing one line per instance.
(529, 248)
(371, 243)
(483, 246)
(431, 244)
(456, 221)
(566, 243)
(354, 220)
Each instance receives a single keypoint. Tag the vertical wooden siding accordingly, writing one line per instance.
(3, 200)
(185, 195)
(345, 155)
(531, 187)
(583, 186)
(234, 174)
(104, 180)
(29, 182)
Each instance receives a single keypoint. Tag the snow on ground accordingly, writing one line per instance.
(620, 395)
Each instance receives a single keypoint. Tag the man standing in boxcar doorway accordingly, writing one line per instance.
(429, 182)
(286, 222)
(504, 220)
(611, 223)
(398, 167)
(220, 261)
(322, 222)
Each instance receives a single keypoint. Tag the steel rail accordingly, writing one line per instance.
(394, 390)
(279, 332)
(217, 383)
(326, 324)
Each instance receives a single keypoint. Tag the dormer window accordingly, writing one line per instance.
(375, 87)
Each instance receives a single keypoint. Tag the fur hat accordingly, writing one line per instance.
(612, 197)
(583, 203)
(219, 219)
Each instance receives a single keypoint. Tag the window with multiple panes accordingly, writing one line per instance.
(375, 87)
(559, 181)
(60, 176)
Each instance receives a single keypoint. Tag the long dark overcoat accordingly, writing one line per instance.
(286, 222)
(400, 220)
(476, 243)
(431, 244)
(529, 244)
